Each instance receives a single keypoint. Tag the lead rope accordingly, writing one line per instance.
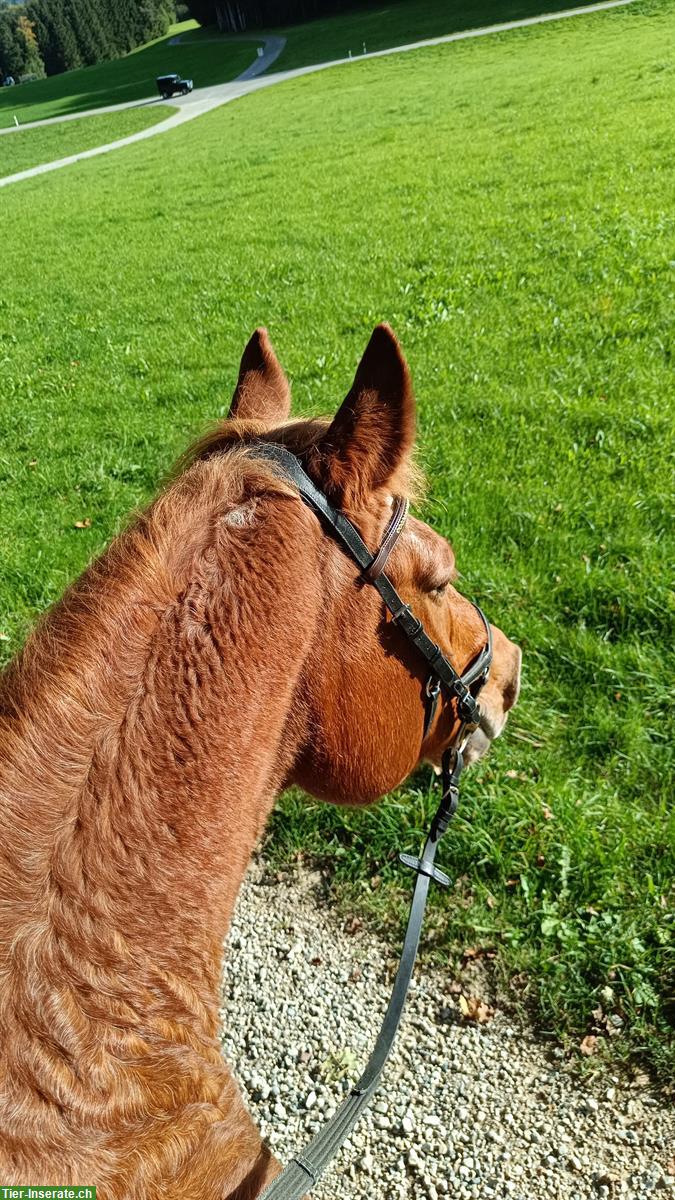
(305, 1169)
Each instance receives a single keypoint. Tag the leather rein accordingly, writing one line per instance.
(305, 1168)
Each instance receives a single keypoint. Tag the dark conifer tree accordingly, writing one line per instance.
(233, 15)
(97, 16)
(123, 14)
(33, 65)
(12, 46)
(203, 11)
(55, 35)
(85, 37)
(152, 20)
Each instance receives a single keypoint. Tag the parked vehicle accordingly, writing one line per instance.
(173, 85)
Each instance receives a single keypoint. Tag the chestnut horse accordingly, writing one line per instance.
(222, 649)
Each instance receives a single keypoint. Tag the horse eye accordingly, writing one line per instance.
(441, 588)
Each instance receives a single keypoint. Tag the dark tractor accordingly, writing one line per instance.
(173, 85)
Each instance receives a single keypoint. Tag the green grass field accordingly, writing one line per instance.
(207, 57)
(507, 205)
(30, 147)
(397, 23)
(198, 56)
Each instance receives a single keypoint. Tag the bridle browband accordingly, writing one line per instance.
(305, 1169)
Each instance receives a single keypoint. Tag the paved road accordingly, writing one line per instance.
(204, 99)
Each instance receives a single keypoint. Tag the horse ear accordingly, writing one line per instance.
(370, 440)
(263, 392)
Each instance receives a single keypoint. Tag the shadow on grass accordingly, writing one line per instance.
(205, 60)
(407, 21)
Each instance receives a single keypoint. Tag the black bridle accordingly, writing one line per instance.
(305, 1169)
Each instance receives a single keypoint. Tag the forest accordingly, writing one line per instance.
(45, 37)
(233, 16)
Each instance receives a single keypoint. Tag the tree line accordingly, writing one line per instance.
(235, 15)
(45, 37)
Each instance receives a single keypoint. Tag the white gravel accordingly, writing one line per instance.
(467, 1111)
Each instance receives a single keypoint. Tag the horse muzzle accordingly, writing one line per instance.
(499, 695)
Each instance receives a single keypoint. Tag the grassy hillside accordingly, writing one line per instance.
(208, 57)
(28, 148)
(507, 205)
(380, 25)
(197, 56)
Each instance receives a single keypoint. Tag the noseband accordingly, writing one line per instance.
(305, 1169)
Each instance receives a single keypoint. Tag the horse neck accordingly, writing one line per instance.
(148, 726)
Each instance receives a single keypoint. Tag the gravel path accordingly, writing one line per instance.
(472, 1112)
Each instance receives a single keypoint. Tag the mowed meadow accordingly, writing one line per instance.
(31, 147)
(507, 205)
(209, 57)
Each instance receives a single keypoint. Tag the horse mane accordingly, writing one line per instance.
(302, 437)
